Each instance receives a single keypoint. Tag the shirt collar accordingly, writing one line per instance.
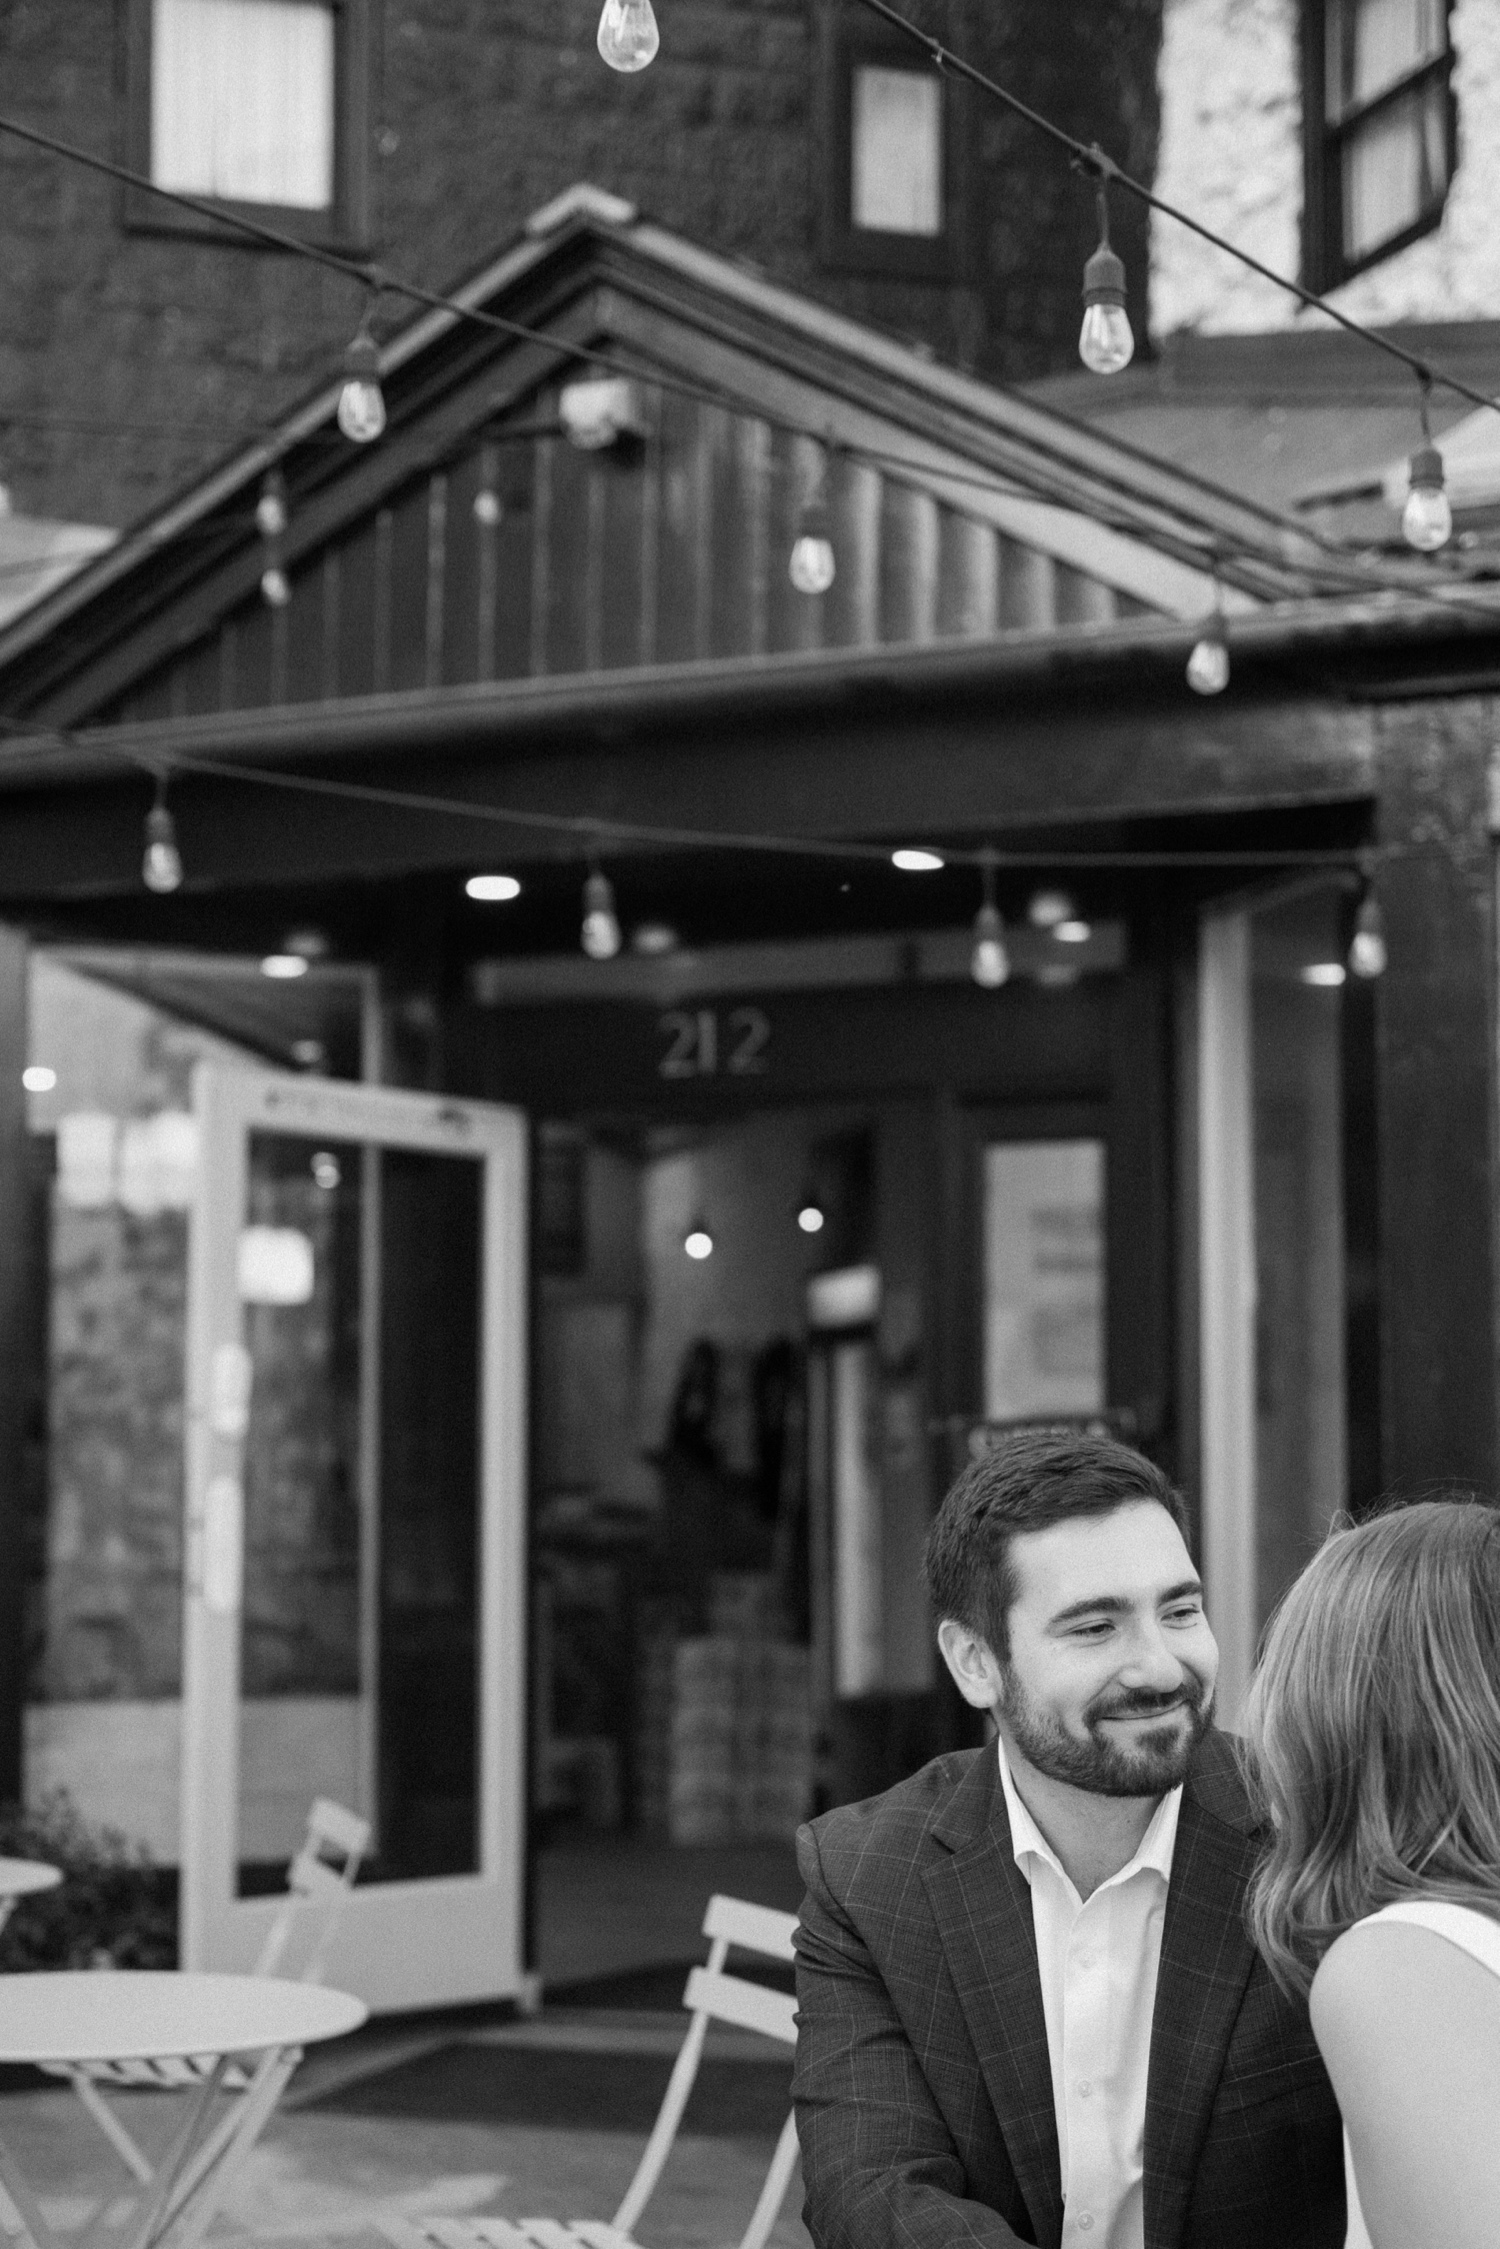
(1029, 1844)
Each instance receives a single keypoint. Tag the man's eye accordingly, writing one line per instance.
(1092, 1631)
(1188, 1615)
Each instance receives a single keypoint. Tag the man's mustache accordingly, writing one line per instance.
(1146, 1706)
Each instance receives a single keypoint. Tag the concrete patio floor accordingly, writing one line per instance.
(325, 2172)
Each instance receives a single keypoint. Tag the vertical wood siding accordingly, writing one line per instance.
(669, 551)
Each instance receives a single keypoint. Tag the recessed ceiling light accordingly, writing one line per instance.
(912, 861)
(283, 967)
(493, 890)
(37, 1078)
(1327, 975)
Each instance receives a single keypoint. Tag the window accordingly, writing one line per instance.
(261, 105)
(890, 166)
(896, 151)
(1380, 129)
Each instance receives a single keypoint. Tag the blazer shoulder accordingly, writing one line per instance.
(894, 1821)
(1217, 1782)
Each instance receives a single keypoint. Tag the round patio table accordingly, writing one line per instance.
(87, 2018)
(22, 1878)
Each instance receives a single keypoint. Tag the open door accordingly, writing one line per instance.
(354, 1606)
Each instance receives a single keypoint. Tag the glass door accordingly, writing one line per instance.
(354, 1615)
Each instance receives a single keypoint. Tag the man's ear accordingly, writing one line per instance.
(971, 1660)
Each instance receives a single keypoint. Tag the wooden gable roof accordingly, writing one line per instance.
(960, 512)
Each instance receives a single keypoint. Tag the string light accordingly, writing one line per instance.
(1208, 663)
(989, 962)
(161, 863)
(628, 37)
(813, 564)
(913, 859)
(271, 522)
(492, 890)
(600, 934)
(698, 1241)
(1074, 931)
(1105, 341)
(1427, 518)
(361, 413)
(811, 1216)
(487, 507)
(1368, 951)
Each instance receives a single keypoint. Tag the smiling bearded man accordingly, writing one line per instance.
(1029, 2008)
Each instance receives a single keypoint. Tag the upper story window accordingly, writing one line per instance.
(895, 151)
(886, 134)
(261, 105)
(1380, 129)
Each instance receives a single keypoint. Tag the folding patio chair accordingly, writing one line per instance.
(711, 1996)
(318, 1880)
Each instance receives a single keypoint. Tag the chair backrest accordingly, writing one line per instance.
(322, 1873)
(712, 1995)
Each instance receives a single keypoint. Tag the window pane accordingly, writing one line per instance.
(1043, 1278)
(897, 134)
(1376, 43)
(1395, 169)
(242, 100)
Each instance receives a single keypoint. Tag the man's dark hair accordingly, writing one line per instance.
(1026, 1482)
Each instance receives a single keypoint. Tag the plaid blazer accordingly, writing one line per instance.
(923, 2086)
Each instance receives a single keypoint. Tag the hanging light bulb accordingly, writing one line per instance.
(813, 565)
(270, 508)
(1208, 664)
(811, 1216)
(698, 1242)
(1427, 518)
(600, 935)
(1105, 343)
(1368, 952)
(275, 586)
(361, 401)
(628, 37)
(989, 962)
(161, 863)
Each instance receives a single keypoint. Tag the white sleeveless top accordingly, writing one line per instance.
(1474, 1933)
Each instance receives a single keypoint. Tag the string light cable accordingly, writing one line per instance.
(376, 281)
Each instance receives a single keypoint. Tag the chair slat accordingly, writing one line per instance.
(333, 1824)
(758, 1928)
(548, 2233)
(730, 1999)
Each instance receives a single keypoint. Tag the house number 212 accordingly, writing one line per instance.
(700, 1043)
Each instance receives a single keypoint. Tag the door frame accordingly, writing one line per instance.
(412, 1928)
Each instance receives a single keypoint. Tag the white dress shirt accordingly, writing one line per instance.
(1098, 1959)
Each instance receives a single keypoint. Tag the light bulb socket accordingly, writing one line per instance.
(362, 359)
(1104, 278)
(1425, 470)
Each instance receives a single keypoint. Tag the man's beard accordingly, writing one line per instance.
(1149, 1765)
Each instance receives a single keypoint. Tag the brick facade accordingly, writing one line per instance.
(1231, 152)
(130, 360)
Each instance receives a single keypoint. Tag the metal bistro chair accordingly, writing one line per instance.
(711, 1996)
(319, 1877)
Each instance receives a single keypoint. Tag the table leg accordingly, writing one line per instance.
(218, 2162)
(34, 2227)
(151, 2223)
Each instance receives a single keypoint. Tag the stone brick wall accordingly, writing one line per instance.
(1231, 152)
(129, 361)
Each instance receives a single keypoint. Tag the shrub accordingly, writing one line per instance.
(113, 1907)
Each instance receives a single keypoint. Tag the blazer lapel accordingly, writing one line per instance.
(981, 1905)
(1206, 1958)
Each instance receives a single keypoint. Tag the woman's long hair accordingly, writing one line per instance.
(1373, 1728)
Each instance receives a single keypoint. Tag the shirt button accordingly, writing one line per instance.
(1084, 2088)
(1085, 1960)
(1085, 2221)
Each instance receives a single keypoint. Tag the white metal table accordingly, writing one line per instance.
(22, 1878)
(144, 2015)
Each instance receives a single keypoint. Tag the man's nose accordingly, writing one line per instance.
(1152, 1665)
